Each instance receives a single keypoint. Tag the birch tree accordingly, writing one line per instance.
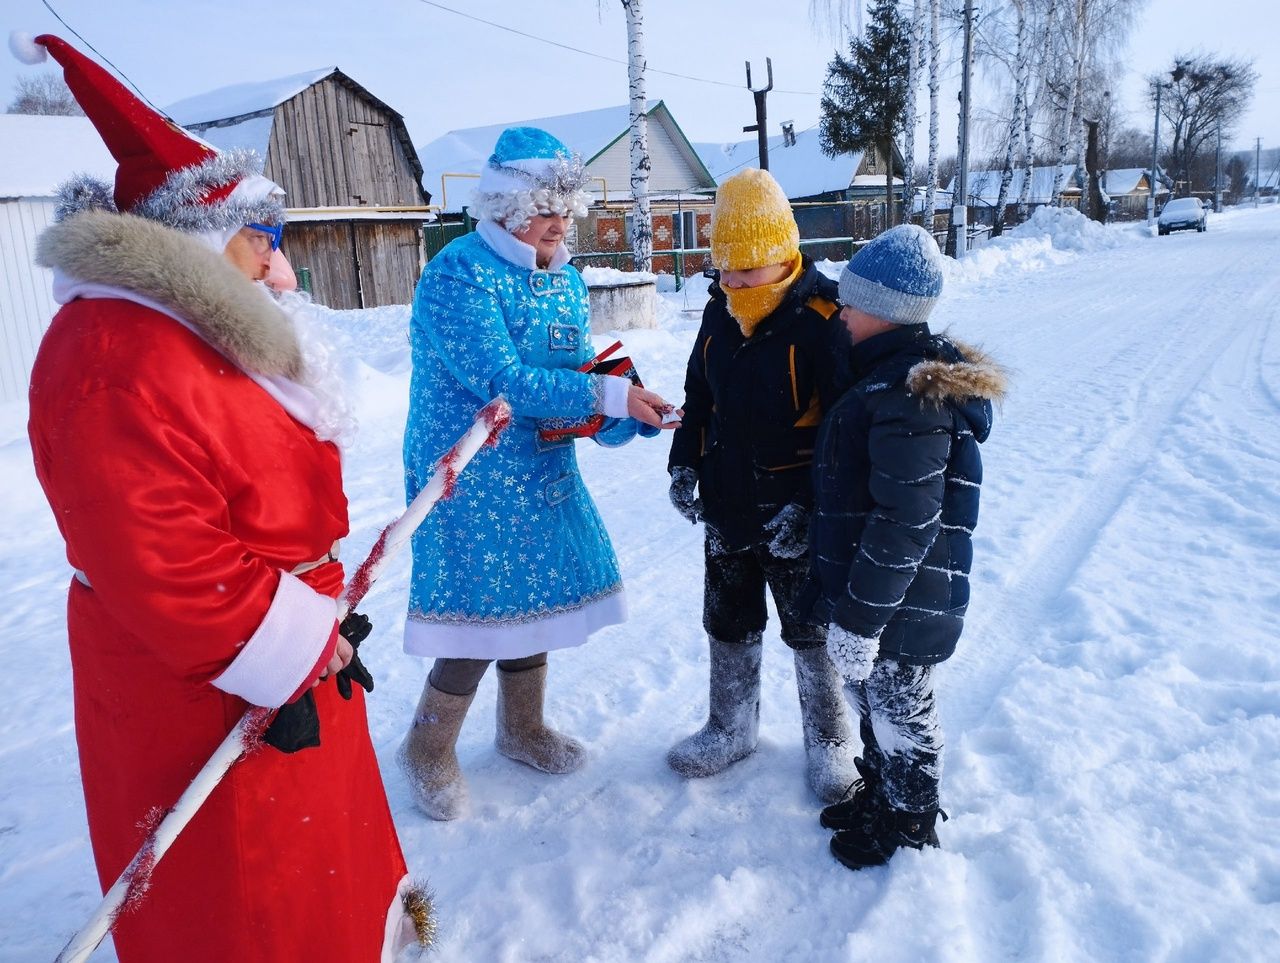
(915, 63)
(935, 54)
(1018, 122)
(642, 224)
(1075, 32)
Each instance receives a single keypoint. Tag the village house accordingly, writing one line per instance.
(832, 197)
(680, 186)
(1128, 188)
(352, 179)
(39, 153)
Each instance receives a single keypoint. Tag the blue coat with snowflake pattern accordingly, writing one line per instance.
(521, 538)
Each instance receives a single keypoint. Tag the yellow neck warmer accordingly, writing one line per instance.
(750, 306)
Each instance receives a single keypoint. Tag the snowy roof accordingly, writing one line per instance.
(239, 100)
(589, 133)
(38, 153)
(984, 186)
(1125, 180)
(252, 134)
(801, 169)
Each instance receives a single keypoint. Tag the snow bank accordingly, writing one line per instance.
(605, 275)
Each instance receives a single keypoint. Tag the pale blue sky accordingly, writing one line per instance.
(445, 72)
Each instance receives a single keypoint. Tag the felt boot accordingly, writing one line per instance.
(522, 735)
(733, 722)
(428, 755)
(828, 735)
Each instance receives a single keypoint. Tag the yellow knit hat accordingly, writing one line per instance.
(752, 225)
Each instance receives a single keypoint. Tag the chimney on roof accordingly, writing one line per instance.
(788, 133)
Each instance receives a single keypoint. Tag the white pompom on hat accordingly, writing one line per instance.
(25, 49)
(163, 173)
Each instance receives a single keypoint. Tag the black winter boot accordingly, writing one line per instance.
(862, 804)
(875, 842)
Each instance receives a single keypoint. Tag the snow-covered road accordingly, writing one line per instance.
(1113, 764)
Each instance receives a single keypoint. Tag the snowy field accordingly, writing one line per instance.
(1113, 760)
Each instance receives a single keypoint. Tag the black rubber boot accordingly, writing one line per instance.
(874, 843)
(862, 802)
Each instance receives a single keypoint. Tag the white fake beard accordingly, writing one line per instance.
(321, 370)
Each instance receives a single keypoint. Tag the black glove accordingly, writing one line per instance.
(683, 482)
(296, 726)
(355, 628)
(788, 532)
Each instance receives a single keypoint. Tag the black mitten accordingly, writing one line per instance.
(355, 628)
(296, 726)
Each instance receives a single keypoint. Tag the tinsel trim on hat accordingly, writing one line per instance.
(178, 203)
(555, 189)
(84, 192)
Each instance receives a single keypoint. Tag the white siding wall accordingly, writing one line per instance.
(26, 301)
(669, 170)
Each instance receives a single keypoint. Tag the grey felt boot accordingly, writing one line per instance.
(733, 722)
(428, 755)
(522, 734)
(829, 745)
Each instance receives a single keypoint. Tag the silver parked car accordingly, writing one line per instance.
(1182, 214)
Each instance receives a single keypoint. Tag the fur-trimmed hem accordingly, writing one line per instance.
(177, 271)
(977, 376)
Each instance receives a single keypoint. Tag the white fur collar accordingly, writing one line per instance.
(510, 248)
(164, 267)
(104, 255)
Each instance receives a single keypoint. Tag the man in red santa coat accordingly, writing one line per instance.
(178, 437)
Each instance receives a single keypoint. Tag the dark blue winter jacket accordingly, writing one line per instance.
(896, 481)
(752, 406)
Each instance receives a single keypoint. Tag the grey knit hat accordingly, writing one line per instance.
(897, 277)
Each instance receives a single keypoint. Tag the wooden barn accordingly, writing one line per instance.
(350, 172)
(37, 153)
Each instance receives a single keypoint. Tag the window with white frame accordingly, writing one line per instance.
(684, 230)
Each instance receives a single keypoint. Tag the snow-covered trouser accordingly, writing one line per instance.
(733, 602)
(901, 735)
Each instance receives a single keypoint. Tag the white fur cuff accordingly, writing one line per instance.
(616, 390)
(284, 648)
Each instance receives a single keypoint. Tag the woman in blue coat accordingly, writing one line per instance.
(518, 562)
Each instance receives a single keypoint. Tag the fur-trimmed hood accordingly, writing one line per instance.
(974, 375)
(178, 272)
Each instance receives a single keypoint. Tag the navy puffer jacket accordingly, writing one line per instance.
(896, 480)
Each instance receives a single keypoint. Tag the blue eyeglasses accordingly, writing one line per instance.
(275, 232)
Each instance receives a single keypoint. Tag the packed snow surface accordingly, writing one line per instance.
(1112, 769)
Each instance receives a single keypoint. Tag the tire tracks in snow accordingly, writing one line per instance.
(1000, 633)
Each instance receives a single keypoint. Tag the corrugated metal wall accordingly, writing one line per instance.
(26, 301)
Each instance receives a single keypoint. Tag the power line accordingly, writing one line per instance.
(73, 30)
(597, 56)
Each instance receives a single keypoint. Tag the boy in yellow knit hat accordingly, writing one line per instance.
(769, 359)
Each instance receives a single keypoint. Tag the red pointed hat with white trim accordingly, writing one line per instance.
(163, 173)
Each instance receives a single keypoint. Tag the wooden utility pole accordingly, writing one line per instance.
(760, 126)
(959, 203)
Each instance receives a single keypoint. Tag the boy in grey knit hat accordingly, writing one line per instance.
(896, 481)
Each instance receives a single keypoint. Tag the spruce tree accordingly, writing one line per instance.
(864, 98)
